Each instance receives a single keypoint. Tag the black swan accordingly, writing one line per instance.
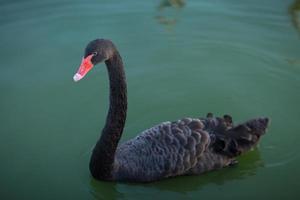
(188, 146)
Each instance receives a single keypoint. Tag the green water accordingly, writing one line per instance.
(181, 59)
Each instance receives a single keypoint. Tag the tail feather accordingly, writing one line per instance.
(233, 140)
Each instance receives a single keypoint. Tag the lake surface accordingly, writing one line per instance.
(182, 58)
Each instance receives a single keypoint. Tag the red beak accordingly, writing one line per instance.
(85, 66)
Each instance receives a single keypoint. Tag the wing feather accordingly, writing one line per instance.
(167, 149)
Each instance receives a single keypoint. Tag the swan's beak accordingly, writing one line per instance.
(85, 66)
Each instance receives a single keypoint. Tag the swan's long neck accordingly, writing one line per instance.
(102, 160)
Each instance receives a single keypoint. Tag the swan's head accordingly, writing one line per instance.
(96, 51)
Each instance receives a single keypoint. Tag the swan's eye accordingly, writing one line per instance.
(95, 53)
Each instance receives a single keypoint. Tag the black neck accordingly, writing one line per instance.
(102, 160)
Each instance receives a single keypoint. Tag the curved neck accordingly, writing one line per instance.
(102, 160)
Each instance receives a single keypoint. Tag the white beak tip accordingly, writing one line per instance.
(77, 77)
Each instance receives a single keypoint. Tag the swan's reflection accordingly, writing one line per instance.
(102, 190)
(294, 11)
(247, 166)
(168, 9)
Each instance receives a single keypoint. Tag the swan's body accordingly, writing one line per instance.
(166, 150)
(184, 147)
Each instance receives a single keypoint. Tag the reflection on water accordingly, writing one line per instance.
(104, 190)
(293, 61)
(168, 11)
(294, 11)
(247, 166)
(171, 3)
(283, 160)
